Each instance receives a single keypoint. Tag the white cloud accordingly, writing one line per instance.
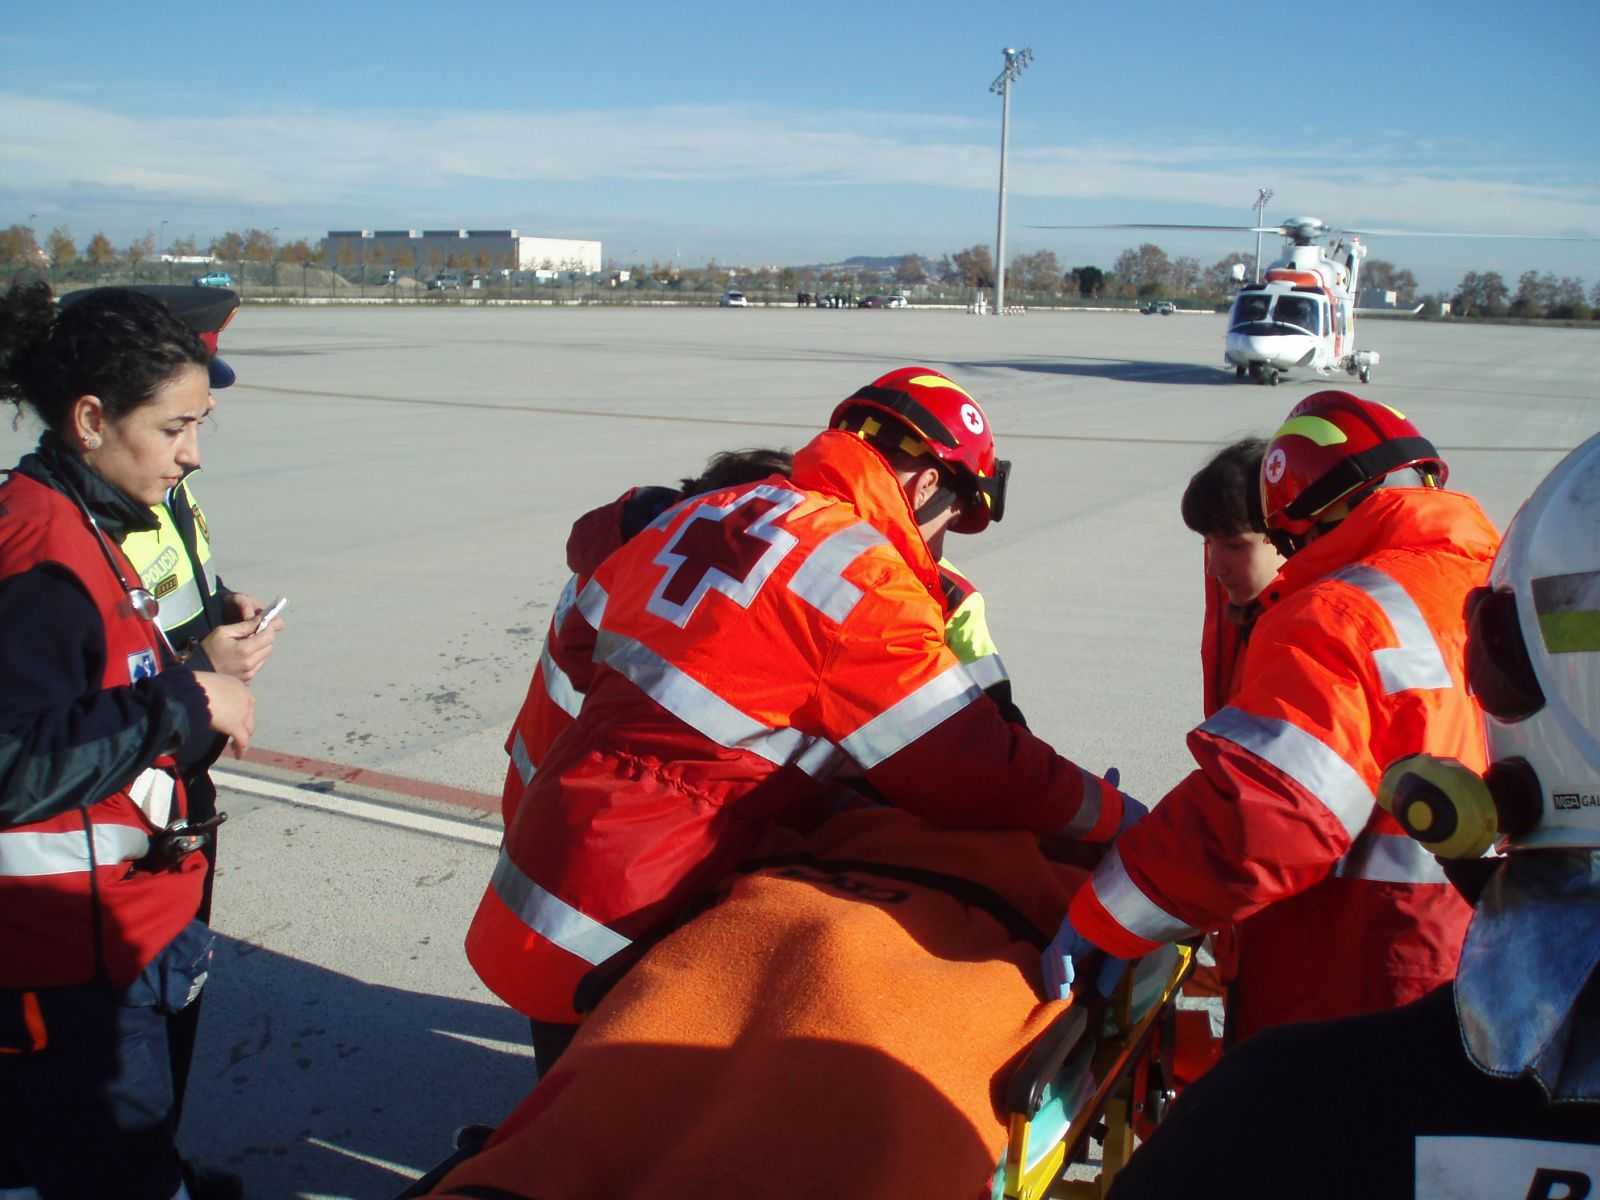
(316, 159)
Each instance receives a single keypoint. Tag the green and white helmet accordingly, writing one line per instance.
(1533, 661)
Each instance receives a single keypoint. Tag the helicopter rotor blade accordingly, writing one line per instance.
(1278, 229)
(1429, 233)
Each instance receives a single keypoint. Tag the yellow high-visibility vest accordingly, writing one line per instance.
(181, 581)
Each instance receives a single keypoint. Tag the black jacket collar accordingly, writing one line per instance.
(64, 471)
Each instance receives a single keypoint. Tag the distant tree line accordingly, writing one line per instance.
(1485, 294)
(1141, 272)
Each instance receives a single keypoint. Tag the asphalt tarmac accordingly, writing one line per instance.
(407, 478)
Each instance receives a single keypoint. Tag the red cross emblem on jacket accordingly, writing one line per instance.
(732, 549)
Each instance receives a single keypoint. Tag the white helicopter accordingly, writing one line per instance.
(1302, 313)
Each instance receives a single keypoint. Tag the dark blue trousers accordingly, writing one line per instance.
(89, 1115)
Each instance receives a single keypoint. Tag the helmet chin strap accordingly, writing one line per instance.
(935, 505)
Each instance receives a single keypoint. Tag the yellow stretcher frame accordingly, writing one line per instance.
(1111, 1066)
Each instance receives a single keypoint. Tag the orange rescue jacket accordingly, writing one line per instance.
(1357, 660)
(734, 657)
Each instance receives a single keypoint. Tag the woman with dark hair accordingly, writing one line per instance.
(100, 878)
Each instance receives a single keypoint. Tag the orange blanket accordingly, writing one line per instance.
(830, 1029)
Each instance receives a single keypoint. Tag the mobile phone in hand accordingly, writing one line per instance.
(271, 615)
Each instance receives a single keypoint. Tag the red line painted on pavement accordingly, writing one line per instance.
(404, 785)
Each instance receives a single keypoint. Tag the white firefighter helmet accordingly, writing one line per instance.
(1533, 660)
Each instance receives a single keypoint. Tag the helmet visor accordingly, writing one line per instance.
(1499, 671)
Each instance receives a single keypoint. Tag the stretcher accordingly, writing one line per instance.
(1100, 1072)
(859, 1019)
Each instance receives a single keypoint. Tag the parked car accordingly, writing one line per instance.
(214, 279)
(896, 301)
(445, 281)
(1166, 308)
(734, 300)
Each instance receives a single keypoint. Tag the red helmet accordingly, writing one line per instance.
(943, 419)
(1332, 444)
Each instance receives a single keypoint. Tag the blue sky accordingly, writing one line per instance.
(760, 133)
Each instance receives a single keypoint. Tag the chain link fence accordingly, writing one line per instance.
(307, 282)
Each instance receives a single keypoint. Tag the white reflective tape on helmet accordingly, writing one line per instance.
(521, 760)
(820, 579)
(1130, 907)
(551, 917)
(898, 726)
(25, 855)
(707, 713)
(1307, 760)
(1416, 662)
(1390, 858)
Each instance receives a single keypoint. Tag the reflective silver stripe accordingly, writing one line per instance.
(1130, 907)
(1303, 758)
(558, 685)
(987, 671)
(592, 603)
(1390, 858)
(1216, 1015)
(1088, 815)
(520, 759)
(820, 580)
(569, 597)
(23, 855)
(707, 713)
(182, 603)
(912, 716)
(1415, 663)
(551, 917)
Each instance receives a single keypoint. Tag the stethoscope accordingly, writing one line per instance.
(140, 599)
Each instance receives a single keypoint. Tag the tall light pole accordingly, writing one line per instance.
(1262, 196)
(1016, 61)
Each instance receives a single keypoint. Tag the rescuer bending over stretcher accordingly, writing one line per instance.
(749, 647)
(499, 939)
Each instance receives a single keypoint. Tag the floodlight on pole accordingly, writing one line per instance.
(1016, 62)
(1262, 196)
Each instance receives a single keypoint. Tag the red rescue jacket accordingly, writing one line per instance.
(48, 899)
(734, 657)
(1357, 660)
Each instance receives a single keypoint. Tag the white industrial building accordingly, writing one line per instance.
(428, 250)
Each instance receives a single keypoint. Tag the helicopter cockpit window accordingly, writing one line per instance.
(1300, 311)
(1252, 308)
